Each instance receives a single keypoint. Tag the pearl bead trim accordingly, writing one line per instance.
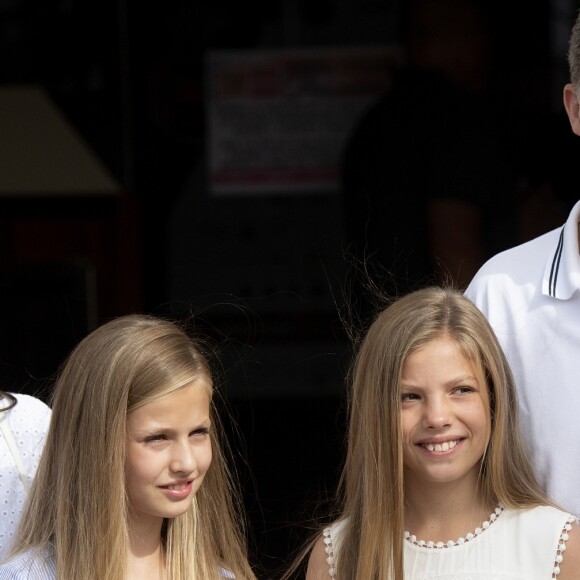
(460, 541)
(329, 549)
(562, 545)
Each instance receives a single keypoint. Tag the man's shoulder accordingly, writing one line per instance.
(529, 255)
(517, 266)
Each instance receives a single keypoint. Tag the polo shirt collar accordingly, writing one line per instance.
(562, 271)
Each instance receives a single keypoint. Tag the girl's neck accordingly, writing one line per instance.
(146, 557)
(445, 511)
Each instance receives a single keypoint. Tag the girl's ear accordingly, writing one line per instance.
(572, 106)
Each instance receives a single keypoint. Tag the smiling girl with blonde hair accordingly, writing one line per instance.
(436, 482)
(132, 482)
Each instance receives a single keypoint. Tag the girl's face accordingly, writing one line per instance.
(444, 415)
(168, 452)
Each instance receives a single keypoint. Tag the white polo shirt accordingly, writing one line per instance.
(531, 296)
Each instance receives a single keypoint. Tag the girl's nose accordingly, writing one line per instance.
(183, 459)
(437, 414)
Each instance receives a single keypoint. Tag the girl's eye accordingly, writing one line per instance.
(201, 432)
(408, 397)
(155, 438)
(463, 390)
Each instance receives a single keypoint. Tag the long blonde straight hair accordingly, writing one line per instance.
(372, 485)
(78, 504)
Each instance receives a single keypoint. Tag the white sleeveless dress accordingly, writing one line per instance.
(526, 544)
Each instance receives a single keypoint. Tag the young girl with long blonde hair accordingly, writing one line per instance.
(132, 483)
(436, 482)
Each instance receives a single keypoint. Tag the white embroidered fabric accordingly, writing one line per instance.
(28, 422)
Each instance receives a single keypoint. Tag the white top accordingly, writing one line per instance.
(28, 422)
(30, 565)
(530, 294)
(40, 564)
(524, 544)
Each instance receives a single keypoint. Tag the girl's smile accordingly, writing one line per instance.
(178, 490)
(439, 447)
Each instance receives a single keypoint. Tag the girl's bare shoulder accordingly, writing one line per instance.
(318, 564)
(570, 565)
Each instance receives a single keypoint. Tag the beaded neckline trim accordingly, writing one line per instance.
(460, 541)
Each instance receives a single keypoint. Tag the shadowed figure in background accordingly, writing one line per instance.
(427, 187)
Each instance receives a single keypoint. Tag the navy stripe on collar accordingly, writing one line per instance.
(556, 265)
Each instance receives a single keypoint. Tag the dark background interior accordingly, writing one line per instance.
(263, 275)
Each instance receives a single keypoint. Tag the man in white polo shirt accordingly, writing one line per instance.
(531, 296)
